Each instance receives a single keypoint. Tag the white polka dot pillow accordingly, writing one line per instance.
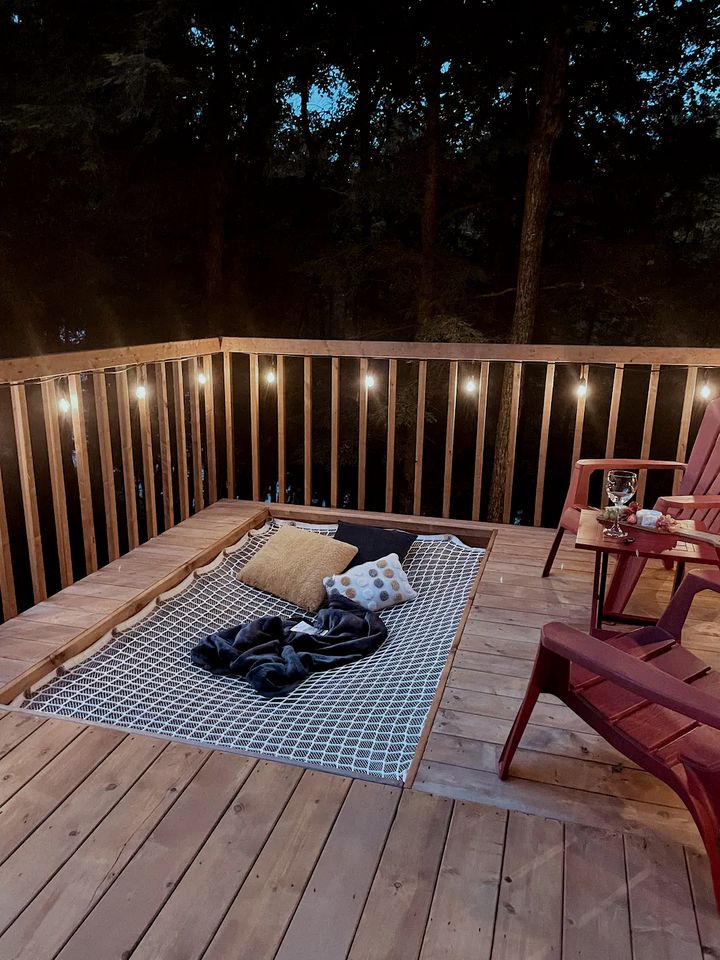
(375, 585)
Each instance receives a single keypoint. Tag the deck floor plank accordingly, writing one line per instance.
(327, 916)
(398, 905)
(145, 884)
(529, 918)
(596, 915)
(198, 904)
(258, 918)
(462, 916)
(53, 915)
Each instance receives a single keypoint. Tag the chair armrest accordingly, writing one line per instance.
(629, 464)
(638, 676)
(577, 498)
(693, 501)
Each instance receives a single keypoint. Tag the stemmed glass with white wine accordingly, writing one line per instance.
(620, 486)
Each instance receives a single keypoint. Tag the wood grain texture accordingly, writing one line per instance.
(228, 393)
(166, 458)
(281, 428)
(57, 480)
(449, 437)
(390, 447)
(196, 447)
(209, 405)
(362, 433)
(181, 439)
(512, 440)
(255, 425)
(307, 429)
(128, 462)
(107, 466)
(7, 577)
(544, 437)
(480, 439)
(419, 436)
(148, 457)
(28, 489)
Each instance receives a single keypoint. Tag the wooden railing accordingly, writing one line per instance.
(100, 450)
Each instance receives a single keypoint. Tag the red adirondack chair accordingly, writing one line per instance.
(649, 697)
(698, 499)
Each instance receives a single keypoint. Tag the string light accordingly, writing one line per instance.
(64, 405)
(705, 390)
(369, 381)
(140, 391)
(202, 379)
(470, 385)
(582, 388)
(270, 377)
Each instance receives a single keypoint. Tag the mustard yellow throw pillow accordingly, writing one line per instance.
(293, 563)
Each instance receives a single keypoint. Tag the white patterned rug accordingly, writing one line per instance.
(365, 718)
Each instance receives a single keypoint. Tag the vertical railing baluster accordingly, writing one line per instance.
(82, 463)
(307, 430)
(512, 440)
(685, 418)
(613, 420)
(648, 427)
(544, 436)
(148, 459)
(28, 489)
(209, 398)
(362, 432)
(580, 415)
(334, 430)
(107, 469)
(390, 450)
(229, 425)
(419, 436)
(181, 439)
(480, 438)
(7, 578)
(165, 447)
(128, 463)
(57, 480)
(195, 434)
(450, 436)
(255, 425)
(282, 441)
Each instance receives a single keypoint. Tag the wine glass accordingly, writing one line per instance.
(620, 486)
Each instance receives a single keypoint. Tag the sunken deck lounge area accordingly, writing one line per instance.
(119, 844)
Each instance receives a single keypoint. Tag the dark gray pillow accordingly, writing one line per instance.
(374, 542)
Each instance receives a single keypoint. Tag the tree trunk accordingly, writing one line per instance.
(546, 129)
(429, 218)
(219, 159)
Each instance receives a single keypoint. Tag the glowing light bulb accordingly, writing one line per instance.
(202, 379)
(582, 388)
(470, 385)
(705, 391)
(64, 405)
(141, 392)
(369, 381)
(270, 376)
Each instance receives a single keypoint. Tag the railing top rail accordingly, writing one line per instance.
(527, 352)
(61, 364)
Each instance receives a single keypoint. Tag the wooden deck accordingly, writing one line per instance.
(122, 846)
(119, 846)
(563, 768)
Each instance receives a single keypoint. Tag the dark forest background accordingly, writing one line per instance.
(171, 169)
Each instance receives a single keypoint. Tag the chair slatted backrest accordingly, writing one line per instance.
(702, 477)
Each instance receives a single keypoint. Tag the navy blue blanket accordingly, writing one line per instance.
(274, 659)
